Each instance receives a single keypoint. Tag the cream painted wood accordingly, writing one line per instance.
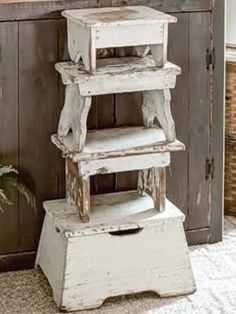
(117, 150)
(74, 116)
(156, 104)
(122, 164)
(120, 75)
(78, 178)
(117, 142)
(153, 182)
(91, 29)
(147, 251)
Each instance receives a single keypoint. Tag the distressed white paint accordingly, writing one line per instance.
(121, 164)
(156, 104)
(118, 142)
(98, 264)
(91, 29)
(119, 75)
(74, 116)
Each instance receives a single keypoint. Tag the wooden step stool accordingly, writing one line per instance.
(138, 26)
(126, 248)
(117, 150)
(117, 75)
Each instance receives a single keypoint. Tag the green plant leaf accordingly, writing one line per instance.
(4, 200)
(5, 170)
(21, 188)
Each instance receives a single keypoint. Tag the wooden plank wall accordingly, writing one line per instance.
(30, 105)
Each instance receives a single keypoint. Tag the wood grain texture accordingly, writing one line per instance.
(164, 5)
(217, 131)
(38, 117)
(9, 235)
(40, 10)
(177, 176)
(199, 121)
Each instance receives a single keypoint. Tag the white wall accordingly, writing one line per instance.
(231, 23)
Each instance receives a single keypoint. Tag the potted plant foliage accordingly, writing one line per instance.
(9, 179)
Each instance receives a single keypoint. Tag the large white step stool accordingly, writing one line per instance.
(127, 247)
(139, 26)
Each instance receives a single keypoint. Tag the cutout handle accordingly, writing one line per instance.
(121, 233)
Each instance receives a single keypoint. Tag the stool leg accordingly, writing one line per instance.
(156, 103)
(89, 53)
(78, 190)
(74, 116)
(159, 51)
(141, 51)
(153, 182)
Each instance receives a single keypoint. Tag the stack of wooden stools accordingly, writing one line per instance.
(95, 247)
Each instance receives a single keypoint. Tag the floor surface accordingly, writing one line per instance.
(214, 266)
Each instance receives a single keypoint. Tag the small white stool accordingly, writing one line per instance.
(128, 247)
(118, 75)
(139, 26)
(117, 150)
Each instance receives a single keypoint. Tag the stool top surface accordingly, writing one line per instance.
(110, 213)
(117, 75)
(115, 16)
(117, 142)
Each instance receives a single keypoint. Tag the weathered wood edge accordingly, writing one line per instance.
(76, 156)
(216, 227)
(172, 213)
(52, 9)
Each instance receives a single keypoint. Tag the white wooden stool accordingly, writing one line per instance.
(118, 75)
(138, 26)
(126, 248)
(117, 150)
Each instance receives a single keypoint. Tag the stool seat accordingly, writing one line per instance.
(117, 16)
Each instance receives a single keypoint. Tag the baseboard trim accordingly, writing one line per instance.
(198, 236)
(17, 261)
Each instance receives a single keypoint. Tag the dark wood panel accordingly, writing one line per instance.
(217, 131)
(9, 128)
(164, 5)
(199, 120)
(40, 9)
(17, 261)
(198, 236)
(38, 117)
(177, 179)
(128, 113)
(106, 119)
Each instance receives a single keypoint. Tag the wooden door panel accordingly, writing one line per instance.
(9, 128)
(199, 120)
(177, 179)
(38, 118)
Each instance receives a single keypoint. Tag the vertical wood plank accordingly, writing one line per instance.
(38, 116)
(106, 119)
(177, 179)
(9, 128)
(217, 131)
(199, 120)
(128, 113)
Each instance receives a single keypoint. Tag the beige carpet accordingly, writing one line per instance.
(214, 266)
